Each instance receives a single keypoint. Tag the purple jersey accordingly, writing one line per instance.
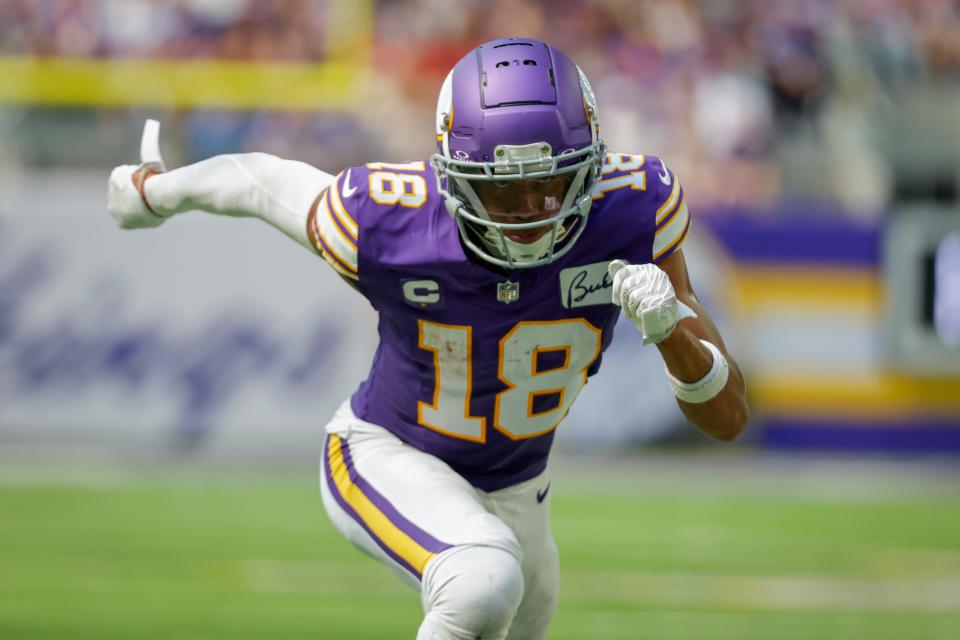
(478, 366)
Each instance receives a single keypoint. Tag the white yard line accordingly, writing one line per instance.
(780, 592)
(644, 589)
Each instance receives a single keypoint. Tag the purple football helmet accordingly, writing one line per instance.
(517, 109)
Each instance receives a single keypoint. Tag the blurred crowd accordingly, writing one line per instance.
(752, 101)
(230, 29)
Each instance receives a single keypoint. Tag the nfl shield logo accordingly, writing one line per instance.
(508, 292)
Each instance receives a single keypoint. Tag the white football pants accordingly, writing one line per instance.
(485, 562)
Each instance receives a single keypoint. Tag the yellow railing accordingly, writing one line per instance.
(179, 83)
(325, 85)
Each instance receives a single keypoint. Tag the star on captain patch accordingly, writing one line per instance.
(508, 292)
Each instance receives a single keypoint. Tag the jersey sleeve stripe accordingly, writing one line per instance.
(341, 232)
(319, 245)
(348, 222)
(665, 220)
(409, 545)
(332, 258)
(672, 237)
(335, 242)
(326, 253)
(671, 202)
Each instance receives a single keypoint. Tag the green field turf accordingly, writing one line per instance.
(237, 557)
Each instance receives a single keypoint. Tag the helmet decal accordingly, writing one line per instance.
(445, 113)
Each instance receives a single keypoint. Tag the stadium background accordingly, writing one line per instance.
(161, 393)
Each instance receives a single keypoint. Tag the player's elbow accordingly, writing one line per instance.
(728, 434)
(734, 424)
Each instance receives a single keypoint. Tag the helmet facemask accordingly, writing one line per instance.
(489, 239)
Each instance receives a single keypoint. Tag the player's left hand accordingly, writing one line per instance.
(647, 297)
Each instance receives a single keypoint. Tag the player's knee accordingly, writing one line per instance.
(545, 581)
(473, 592)
(541, 591)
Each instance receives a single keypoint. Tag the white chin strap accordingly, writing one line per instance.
(535, 250)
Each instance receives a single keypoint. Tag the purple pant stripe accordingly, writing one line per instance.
(353, 514)
(422, 538)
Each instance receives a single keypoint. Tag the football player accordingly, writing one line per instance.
(498, 267)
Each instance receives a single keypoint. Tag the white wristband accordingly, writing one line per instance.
(706, 387)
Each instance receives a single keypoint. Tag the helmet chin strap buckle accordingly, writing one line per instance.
(538, 154)
(584, 202)
(452, 205)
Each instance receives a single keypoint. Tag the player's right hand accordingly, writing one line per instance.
(125, 201)
(126, 198)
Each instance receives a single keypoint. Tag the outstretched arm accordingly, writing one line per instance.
(257, 185)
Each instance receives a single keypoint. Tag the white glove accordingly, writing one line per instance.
(646, 295)
(124, 201)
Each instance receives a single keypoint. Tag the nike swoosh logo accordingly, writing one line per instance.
(665, 176)
(541, 495)
(347, 190)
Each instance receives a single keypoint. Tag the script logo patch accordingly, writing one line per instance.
(585, 285)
